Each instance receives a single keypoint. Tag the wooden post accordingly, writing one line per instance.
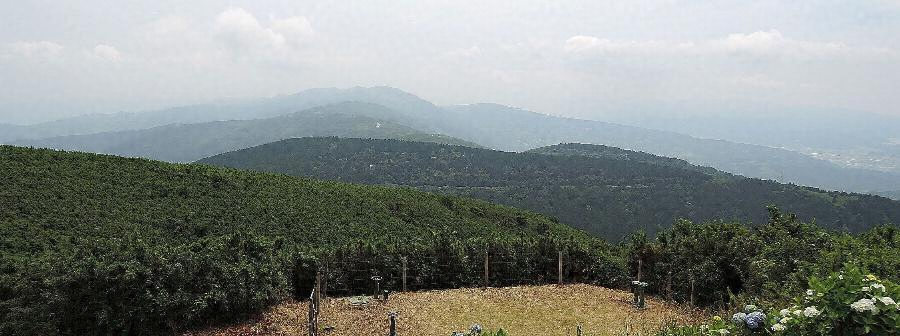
(393, 330)
(640, 265)
(560, 269)
(313, 324)
(404, 273)
(486, 269)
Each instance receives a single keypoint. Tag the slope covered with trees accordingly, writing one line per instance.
(606, 191)
(95, 244)
(189, 142)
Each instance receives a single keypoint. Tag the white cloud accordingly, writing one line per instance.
(759, 43)
(35, 48)
(242, 33)
(107, 52)
(295, 30)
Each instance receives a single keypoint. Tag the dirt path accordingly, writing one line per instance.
(537, 310)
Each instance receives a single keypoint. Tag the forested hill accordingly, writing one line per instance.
(189, 142)
(610, 195)
(614, 153)
(94, 244)
(69, 194)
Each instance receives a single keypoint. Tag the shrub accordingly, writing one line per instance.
(849, 302)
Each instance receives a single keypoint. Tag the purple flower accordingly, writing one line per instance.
(756, 320)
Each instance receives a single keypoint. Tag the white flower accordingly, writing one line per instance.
(810, 292)
(865, 288)
(811, 311)
(841, 277)
(778, 327)
(785, 320)
(886, 300)
(785, 312)
(722, 331)
(798, 312)
(878, 287)
(864, 305)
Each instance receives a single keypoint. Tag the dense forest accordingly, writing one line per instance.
(603, 190)
(95, 244)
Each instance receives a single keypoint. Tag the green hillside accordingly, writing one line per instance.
(95, 244)
(606, 191)
(189, 142)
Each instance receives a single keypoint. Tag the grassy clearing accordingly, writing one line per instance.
(533, 310)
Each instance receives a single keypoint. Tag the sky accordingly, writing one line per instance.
(592, 59)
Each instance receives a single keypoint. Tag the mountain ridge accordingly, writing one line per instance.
(608, 197)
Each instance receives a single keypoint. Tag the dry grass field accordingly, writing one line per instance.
(533, 310)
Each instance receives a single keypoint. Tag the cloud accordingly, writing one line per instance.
(32, 49)
(107, 52)
(242, 33)
(765, 43)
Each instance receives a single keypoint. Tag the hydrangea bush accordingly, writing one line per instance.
(849, 302)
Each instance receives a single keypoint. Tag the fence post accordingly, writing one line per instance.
(486, 268)
(404, 273)
(578, 331)
(393, 330)
(560, 268)
(640, 266)
(313, 324)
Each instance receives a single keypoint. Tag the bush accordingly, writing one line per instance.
(849, 302)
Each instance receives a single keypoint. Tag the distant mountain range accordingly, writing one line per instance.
(603, 190)
(489, 125)
(190, 142)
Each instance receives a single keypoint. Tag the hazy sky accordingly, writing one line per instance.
(581, 58)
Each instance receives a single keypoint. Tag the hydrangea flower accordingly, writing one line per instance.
(865, 288)
(750, 308)
(878, 286)
(798, 312)
(755, 320)
(785, 312)
(475, 329)
(785, 320)
(887, 300)
(811, 311)
(864, 305)
(738, 318)
(810, 292)
(778, 327)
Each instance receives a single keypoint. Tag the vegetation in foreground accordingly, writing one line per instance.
(848, 302)
(95, 244)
